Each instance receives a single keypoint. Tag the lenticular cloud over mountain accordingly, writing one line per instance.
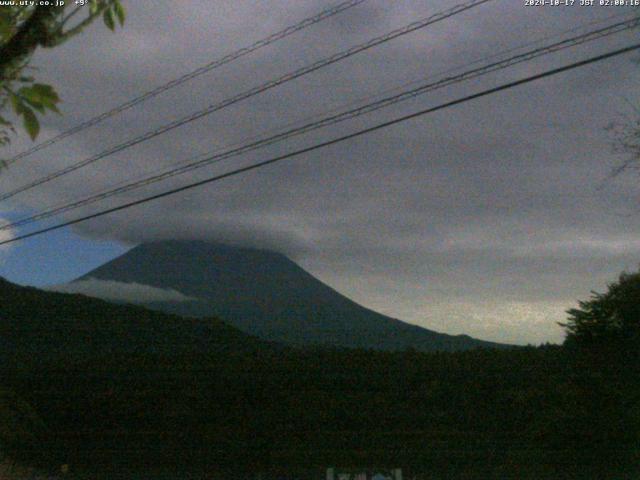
(261, 292)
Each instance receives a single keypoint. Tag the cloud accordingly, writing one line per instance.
(519, 322)
(492, 202)
(5, 235)
(121, 291)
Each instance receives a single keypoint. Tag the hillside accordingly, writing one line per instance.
(118, 391)
(42, 327)
(266, 294)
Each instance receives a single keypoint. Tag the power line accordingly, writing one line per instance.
(307, 22)
(252, 92)
(334, 141)
(333, 119)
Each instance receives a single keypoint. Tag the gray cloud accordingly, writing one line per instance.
(122, 291)
(494, 203)
(5, 235)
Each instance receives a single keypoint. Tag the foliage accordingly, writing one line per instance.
(24, 28)
(122, 388)
(608, 317)
(603, 349)
(19, 425)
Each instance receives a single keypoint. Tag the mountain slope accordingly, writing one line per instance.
(266, 294)
(108, 381)
(40, 326)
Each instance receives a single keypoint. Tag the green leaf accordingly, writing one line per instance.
(17, 104)
(39, 96)
(108, 19)
(31, 123)
(38, 106)
(46, 91)
(29, 93)
(32, 97)
(93, 7)
(53, 108)
(120, 11)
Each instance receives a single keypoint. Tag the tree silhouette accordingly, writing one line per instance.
(608, 317)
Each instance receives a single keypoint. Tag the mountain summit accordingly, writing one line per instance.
(263, 293)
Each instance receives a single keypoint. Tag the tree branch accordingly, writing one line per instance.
(32, 33)
(63, 36)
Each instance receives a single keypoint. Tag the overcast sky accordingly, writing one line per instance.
(490, 218)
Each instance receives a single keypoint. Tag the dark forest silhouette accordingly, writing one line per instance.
(106, 388)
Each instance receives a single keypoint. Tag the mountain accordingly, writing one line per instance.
(264, 293)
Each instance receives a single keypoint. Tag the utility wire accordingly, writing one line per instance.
(252, 92)
(307, 22)
(334, 141)
(333, 119)
(369, 97)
